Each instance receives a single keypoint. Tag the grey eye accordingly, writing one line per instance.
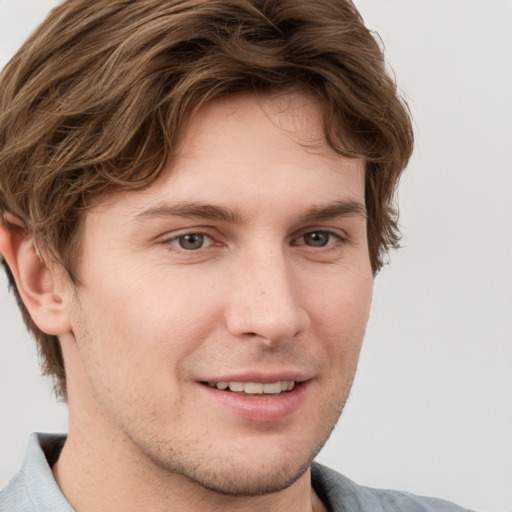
(317, 238)
(191, 242)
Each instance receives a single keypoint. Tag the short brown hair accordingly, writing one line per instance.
(94, 100)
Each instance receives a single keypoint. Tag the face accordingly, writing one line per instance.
(223, 309)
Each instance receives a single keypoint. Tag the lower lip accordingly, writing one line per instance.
(260, 408)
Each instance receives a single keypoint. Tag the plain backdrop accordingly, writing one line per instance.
(431, 409)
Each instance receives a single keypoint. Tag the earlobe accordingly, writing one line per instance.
(37, 281)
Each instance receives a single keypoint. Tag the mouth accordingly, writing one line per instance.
(254, 388)
(259, 399)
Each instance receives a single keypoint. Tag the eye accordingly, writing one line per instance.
(191, 241)
(318, 238)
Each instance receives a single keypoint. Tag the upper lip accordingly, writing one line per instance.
(261, 377)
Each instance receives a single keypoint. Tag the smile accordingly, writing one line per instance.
(255, 388)
(261, 402)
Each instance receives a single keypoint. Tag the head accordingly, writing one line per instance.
(99, 102)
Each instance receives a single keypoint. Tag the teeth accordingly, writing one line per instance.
(274, 387)
(255, 388)
(252, 388)
(289, 385)
(236, 386)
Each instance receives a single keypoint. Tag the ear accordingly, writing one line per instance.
(39, 282)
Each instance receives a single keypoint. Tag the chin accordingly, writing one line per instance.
(246, 481)
(251, 469)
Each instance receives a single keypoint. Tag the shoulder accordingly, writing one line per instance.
(344, 495)
(14, 497)
(33, 488)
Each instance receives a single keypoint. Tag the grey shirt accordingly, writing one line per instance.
(33, 488)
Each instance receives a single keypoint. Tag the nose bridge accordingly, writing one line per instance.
(265, 301)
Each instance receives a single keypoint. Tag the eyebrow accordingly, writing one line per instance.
(345, 208)
(192, 210)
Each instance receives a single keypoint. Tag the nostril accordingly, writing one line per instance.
(262, 315)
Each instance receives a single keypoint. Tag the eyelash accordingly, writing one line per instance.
(175, 240)
(333, 239)
(332, 235)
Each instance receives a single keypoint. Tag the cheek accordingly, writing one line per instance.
(340, 316)
(346, 290)
(144, 321)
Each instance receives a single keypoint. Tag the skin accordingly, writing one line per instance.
(262, 296)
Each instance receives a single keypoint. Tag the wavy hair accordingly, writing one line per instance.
(93, 102)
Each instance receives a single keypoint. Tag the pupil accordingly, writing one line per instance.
(193, 241)
(316, 239)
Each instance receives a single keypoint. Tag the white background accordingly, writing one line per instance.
(431, 409)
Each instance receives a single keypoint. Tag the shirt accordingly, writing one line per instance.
(33, 488)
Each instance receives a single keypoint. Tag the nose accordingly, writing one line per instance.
(264, 302)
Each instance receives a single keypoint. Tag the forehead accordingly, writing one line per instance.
(251, 148)
(294, 115)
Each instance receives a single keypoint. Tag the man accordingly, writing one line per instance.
(195, 198)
